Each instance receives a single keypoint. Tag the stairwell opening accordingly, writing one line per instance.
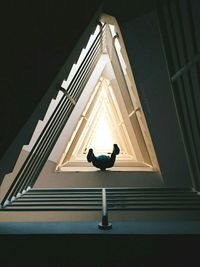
(121, 109)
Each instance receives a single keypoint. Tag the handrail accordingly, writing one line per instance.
(41, 149)
(84, 62)
(121, 71)
(104, 224)
(72, 84)
(63, 119)
(64, 114)
(102, 200)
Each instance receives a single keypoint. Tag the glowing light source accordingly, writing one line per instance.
(103, 126)
(102, 141)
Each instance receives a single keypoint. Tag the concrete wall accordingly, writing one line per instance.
(144, 49)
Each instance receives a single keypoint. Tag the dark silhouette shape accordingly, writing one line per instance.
(103, 161)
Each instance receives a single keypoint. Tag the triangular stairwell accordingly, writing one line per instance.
(109, 98)
(101, 124)
(97, 99)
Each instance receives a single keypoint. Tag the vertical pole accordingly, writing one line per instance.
(104, 224)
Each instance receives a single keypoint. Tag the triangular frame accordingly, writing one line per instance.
(45, 143)
(146, 156)
(128, 147)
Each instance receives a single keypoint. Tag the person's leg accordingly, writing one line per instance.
(103, 163)
(90, 155)
(116, 149)
(112, 159)
(92, 158)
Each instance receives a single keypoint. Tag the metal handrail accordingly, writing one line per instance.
(64, 115)
(104, 224)
(22, 181)
(61, 121)
(103, 200)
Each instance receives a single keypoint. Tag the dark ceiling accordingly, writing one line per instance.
(35, 41)
(36, 38)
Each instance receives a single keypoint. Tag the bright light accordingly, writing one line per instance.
(102, 141)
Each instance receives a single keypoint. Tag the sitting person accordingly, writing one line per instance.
(103, 161)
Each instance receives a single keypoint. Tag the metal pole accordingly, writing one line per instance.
(104, 224)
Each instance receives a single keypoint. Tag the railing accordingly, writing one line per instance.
(104, 224)
(106, 200)
(133, 109)
(37, 157)
(113, 54)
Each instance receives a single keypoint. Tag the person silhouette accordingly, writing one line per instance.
(103, 162)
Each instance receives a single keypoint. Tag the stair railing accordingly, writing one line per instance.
(104, 224)
(40, 152)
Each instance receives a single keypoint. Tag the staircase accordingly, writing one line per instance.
(42, 148)
(126, 210)
(121, 199)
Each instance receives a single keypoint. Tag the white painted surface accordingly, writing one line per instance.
(78, 110)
